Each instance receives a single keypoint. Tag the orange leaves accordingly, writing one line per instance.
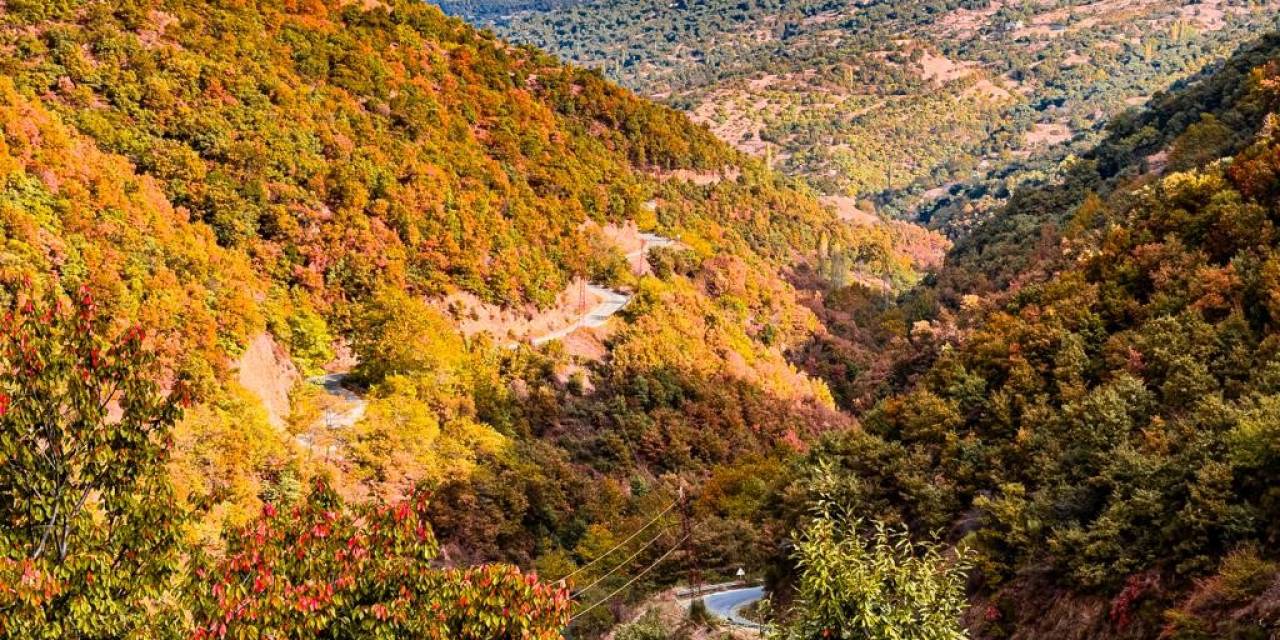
(24, 583)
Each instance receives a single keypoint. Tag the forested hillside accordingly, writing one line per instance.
(1085, 397)
(922, 108)
(224, 198)
(300, 328)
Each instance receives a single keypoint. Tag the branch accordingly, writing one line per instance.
(66, 523)
(57, 506)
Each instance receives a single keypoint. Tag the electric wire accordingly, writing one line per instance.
(623, 563)
(631, 581)
(620, 544)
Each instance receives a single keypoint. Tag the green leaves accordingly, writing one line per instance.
(861, 582)
(88, 541)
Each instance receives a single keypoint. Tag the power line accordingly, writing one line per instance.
(631, 581)
(620, 544)
(624, 562)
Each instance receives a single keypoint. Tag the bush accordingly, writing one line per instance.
(1245, 575)
(647, 627)
(872, 583)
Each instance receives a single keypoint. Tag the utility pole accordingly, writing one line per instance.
(686, 526)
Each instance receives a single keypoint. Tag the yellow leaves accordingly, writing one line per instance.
(697, 243)
(222, 452)
(399, 334)
(1193, 186)
(473, 437)
(395, 442)
(412, 431)
(595, 542)
(679, 328)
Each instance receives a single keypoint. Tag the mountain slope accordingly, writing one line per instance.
(269, 189)
(1091, 404)
(341, 145)
(973, 98)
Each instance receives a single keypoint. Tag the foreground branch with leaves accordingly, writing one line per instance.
(88, 528)
(872, 582)
(88, 542)
(325, 569)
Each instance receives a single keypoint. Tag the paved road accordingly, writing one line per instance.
(350, 409)
(355, 405)
(611, 302)
(729, 605)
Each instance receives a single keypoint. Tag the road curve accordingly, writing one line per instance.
(729, 605)
(611, 302)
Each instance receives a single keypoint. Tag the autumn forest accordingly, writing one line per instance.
(635, 320)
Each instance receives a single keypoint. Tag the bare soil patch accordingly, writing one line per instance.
(1047, 134)
(266, 371)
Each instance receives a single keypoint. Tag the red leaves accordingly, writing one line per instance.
(88, 308)
(307, 565)
(991, 613)
(1135, 587)
(4, 404)
(25, 582)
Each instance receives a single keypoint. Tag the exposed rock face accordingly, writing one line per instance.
(266, 370)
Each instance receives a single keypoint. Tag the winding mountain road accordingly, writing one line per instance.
(348, 409)
(355, 405)
(611, 302)
(728, 605)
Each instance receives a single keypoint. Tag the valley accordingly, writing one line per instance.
(926, 110)
(918, 319)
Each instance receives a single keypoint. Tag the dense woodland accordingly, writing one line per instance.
(1067, 427)
(203, 174)
(1082, 394)
(928, 109)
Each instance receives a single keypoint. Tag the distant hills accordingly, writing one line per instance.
(929, 109)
